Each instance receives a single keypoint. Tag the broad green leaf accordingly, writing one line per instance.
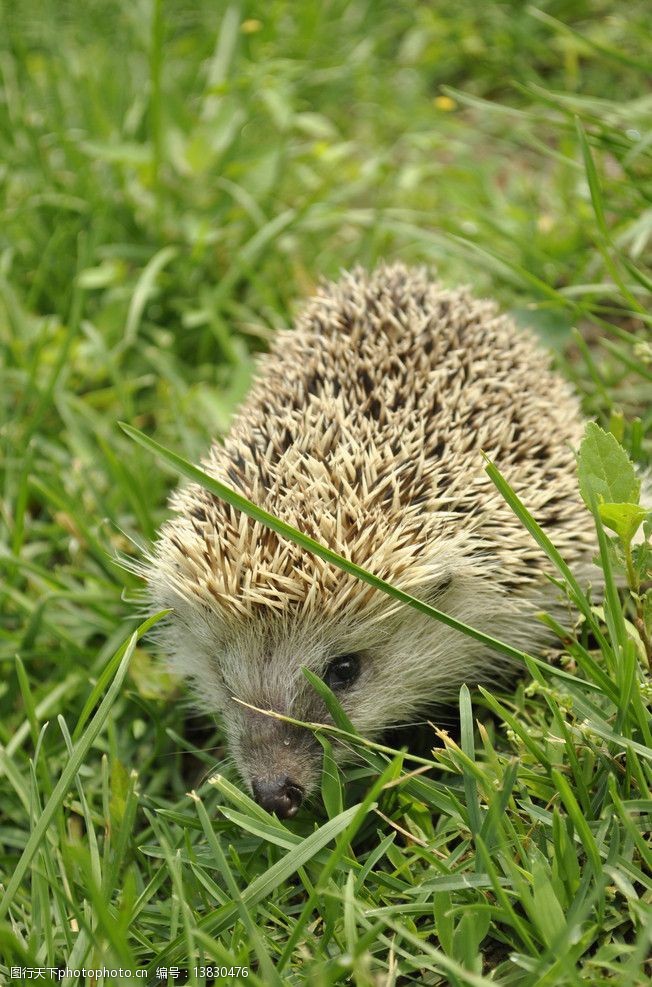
(605, 471)
(624, 519)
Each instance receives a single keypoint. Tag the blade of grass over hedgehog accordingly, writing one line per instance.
(224, 492)
(340, 719)
(329, 728)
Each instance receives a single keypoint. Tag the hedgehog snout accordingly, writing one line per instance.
(280, 794)
(279, 762)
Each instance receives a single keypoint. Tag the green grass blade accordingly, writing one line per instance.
(80, 751)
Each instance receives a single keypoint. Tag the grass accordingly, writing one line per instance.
(174, 177)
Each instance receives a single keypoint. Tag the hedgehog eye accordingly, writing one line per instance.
(342, 672)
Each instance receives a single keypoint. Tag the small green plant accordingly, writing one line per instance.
(611, 489)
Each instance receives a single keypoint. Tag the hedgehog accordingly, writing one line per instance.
(366, 428)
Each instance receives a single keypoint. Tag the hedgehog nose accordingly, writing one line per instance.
(281, 795)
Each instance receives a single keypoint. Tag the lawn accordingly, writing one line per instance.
(174, 178)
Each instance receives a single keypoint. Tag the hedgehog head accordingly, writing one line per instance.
(246, 623)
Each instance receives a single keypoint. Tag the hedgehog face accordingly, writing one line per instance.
(279, 762)
(386, 664)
